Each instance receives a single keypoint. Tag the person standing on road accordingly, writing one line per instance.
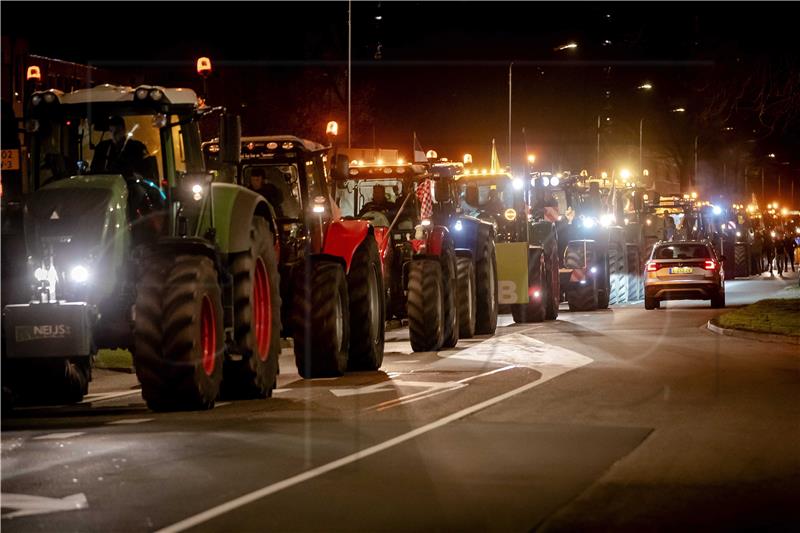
(789, 245)
(769, 249)
(780, 254)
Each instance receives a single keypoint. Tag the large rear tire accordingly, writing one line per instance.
(450, 288)
(486, 289)
(534, 310)
(466, 297)
(50, 381)
(552, 293)
(179, 336)
(425, 305)
(321, 321)
(256, 318)
(367, 308)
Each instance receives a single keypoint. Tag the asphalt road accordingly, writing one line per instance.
(618, 419)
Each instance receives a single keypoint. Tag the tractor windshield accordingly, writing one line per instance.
(279, 184)
(101, 140)
(490, 195)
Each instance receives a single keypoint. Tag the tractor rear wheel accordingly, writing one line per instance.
(466, 297)
(367, 308)
(321, 321)
(179, 334)
(425, 305)
(450, 288)
(486, 289)
(256, 318)
(534, 310)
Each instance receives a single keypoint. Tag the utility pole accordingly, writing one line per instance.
(349, 71)
(597, 172)
(510, 66)
(694, 178)
(641, 125)
(762, 184)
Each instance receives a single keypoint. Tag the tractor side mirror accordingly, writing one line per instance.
(230, 139)
(341, 166)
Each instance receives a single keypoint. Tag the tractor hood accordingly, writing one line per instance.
(79, 221)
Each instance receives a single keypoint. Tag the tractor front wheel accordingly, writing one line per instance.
(425, 305)
(486, 289)
(466, 297)
(534, 310)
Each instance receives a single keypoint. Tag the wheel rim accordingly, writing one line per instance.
(262, 310)
(208, 335)
(374, 309)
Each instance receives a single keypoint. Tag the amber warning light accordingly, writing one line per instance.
(204, 66)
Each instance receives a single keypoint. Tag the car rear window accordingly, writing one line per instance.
(682, 251)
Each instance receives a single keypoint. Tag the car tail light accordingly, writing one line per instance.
(652, 266)
(710, 264)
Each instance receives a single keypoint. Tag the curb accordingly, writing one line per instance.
(763, 337)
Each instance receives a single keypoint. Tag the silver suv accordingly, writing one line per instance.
(684, 270)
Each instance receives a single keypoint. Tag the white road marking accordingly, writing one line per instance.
(125, 421)
(56, 436)
(410, 361)
(460, 384)
(549, 368)
(91, 398)
(280, 391)
(27, 505)
(221, 404)
(389, 386)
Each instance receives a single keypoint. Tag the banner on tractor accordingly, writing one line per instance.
(512, 272)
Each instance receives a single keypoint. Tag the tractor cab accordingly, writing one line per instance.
(495, 197)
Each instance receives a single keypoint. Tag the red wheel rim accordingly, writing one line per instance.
(262, 310)
(208, 335)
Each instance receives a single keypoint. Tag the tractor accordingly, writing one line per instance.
(147, 251)
(475, 245)
(419, 256)
(601, 259)
(526, 247)
(331, 269)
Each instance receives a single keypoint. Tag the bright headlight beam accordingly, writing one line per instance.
(79, 274)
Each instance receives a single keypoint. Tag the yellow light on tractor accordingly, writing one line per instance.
(531, 158)
(604, 175)
(646, 196)
(467, 159)
(784, 211)
(510, 214)
(379, 161)
(332, 128)
(34, 73)
(484, 171)
(625, 173)
(431, 154)
(400, 161)
(694, 195)
(204, 66)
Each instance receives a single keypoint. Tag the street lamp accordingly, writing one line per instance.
(568, 46)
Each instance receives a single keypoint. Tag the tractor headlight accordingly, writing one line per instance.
(458, 226)
(156, 94)
(40, 274)
(517, 183)
(197, 192)
(36, 99)
(606, 220)
(546, 181)
(510, 214)
(426, 222)
(141, 93)
(588, 223)
(593, 270)
(79, 274)
(319, 205)
(49, 98)
(554, 181)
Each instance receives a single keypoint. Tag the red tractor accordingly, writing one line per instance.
(419, 257)
(330, 268)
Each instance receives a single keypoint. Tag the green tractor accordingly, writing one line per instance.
(132, 243)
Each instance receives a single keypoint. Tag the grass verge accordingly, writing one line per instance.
(114, 360)
(780, 316)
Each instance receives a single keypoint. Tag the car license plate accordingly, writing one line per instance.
(680, 270)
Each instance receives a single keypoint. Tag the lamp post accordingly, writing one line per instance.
(510, 66)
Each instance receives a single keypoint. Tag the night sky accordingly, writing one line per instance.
(442, 68)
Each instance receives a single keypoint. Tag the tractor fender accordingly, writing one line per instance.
(466, 233)
(462, 252)
(344, 237)
(234, 209)
(436, 240)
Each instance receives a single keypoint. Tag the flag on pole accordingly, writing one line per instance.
(419, 153)
(495, 167)
(425, 199)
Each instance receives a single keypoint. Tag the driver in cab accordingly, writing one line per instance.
(121, 154)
